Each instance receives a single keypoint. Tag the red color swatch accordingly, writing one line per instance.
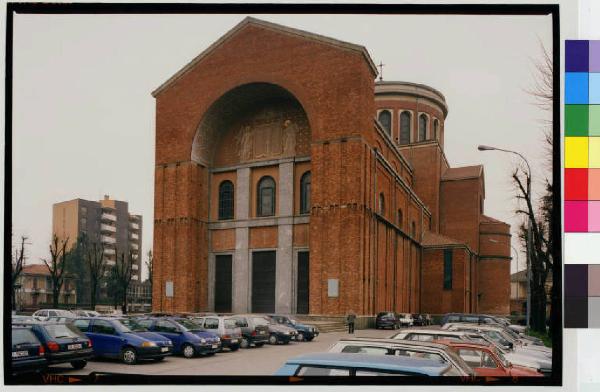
(576, 184)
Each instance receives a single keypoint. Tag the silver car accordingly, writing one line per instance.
(224, 327)
(383, 346)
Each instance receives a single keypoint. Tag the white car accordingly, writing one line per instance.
(45, 314)
(406, 319)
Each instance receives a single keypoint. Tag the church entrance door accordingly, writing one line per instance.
(263, 282)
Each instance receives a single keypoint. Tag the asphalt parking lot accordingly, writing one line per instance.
(254, 361)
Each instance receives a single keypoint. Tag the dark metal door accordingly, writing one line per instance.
(223, 283)
(263, 282)
(302, 287)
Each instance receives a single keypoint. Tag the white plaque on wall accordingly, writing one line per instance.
(169, 289)
(333, 286)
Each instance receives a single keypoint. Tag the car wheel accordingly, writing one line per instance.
(245, 343)
(78, 364)
(188, 351)
(129, 356)
(272, 339)
(300, 337)
(234, 348)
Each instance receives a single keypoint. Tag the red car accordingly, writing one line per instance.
(487, 361)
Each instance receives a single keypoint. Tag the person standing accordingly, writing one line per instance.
(350, 318)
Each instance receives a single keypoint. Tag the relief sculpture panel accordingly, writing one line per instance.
(273, 132)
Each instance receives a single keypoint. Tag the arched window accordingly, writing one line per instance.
(400, 218)
(381, 204)
(226, 200)
(385, 118)
(422, 127)
(405, 119)
(265, 198)
(436, 129)
(305, 193)
(413, 229)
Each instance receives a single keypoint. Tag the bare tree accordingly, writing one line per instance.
(56, 266)
(17, 263)
(121, 274)
(541, 215)
(94, 258)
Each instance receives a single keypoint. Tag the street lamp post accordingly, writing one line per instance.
(528, 196)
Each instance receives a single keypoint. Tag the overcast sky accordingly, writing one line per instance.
(83, 121)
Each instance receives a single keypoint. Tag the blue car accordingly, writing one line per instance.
(113, 338)
(330, 364)
(188, 337)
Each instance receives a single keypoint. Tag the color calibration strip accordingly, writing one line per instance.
(582, 136)
(582, 296)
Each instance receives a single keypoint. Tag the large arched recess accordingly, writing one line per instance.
(269, 110)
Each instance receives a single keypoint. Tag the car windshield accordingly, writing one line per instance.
(230, 323)
(62, 331)
(132, 325)
(121, 326)
(261, 321)
(293, 321)
(501, 357)
(189, 324)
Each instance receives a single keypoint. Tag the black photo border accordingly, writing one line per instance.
(214, 8)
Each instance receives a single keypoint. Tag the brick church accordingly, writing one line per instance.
(288, 180)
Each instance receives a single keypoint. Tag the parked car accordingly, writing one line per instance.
(406, 319)
(383, 346)
(17, 319)
(85, 313)
(185, 342)
(226, 328)
(62, 342)
(209, 336)
(501, 336)
(28, 353)
(517, 356)
(334, 364)
(45, 314)
(487, 361)
(387, 320)
(304, 332)
(255, 329)
(280, 333)
(480, 319)
(419, 320)
(114, 338)
(430, 334)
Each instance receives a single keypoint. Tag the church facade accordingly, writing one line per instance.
(288, 180)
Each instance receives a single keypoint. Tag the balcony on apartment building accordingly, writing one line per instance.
(108, 240)
(134, 246)
(108, 216)
(134, 267)
(104, 228)
(134, 236)
(110, 251)
(134, 225)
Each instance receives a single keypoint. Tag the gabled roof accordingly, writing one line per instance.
(271, 26)
(462, 173)
(36, 269)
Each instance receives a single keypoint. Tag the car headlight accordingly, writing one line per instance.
(170, 342)
(202, 340)
(218, 340)
(148, 344)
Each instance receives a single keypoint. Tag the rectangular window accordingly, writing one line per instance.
(447, 269)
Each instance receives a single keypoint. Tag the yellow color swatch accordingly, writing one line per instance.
(594, 151)
(576, 152)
